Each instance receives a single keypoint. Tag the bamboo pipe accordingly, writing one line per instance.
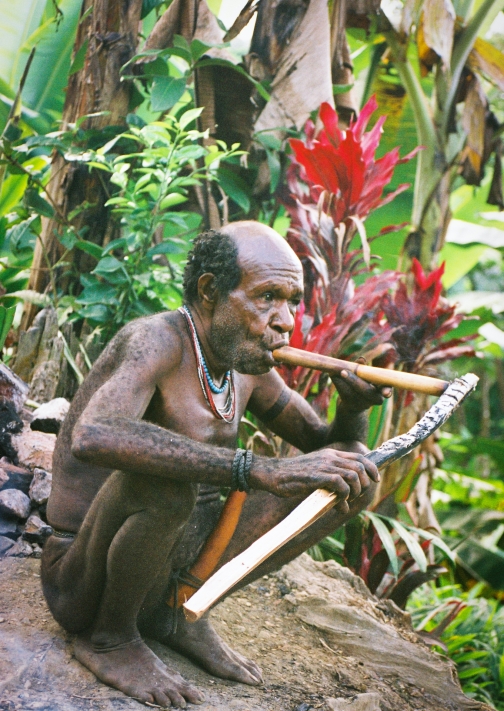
(377, 376)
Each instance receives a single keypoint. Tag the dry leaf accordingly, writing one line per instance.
(487, 59)
(473, 123)
(438, 22)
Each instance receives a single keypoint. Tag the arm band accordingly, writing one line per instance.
(278, 407)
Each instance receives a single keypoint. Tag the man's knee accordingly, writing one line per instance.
(168, 499)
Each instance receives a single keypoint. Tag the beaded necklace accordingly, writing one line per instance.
(208, 386)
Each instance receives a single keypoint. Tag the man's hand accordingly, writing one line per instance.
(356, 394)
(346, 474)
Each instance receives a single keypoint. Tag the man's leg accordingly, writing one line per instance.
(261, 512)
(96, 584)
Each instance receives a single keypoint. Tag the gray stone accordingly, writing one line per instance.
(50, 416)
(40, 487)
(14, 503)
(34, 449)
(361, 702)
(36, 530)
(5, 544)
(8, 526)
(12, 388)
(13, 477)
(20, 549)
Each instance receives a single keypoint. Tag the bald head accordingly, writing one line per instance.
(259, 244)
(236, 248)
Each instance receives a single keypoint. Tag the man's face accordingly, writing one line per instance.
(258, 315)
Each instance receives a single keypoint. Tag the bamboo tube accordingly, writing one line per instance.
(377, 376)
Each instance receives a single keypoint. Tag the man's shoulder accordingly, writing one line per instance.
(155, 340)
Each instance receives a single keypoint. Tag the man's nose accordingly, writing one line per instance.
(283, 321)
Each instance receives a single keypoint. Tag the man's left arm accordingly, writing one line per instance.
(288, 414)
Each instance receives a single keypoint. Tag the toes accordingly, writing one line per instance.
(176, 699)
(195, 696)
(249, 665)
(161, 699)
(241, 673)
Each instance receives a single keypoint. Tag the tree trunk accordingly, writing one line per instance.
(109, 35)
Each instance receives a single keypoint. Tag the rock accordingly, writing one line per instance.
(36, 530)
(383, 646)
(49, 417)
(34, 449)
(37, 551)
(5, 545)
(8, 527)
(12, 477)
(361, 702)
(20, 549)
(40, 488)
(14, 503)
(10, 423)
(12, 388)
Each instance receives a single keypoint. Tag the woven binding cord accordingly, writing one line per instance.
(179, 576)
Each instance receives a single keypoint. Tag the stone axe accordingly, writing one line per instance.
(309, 511)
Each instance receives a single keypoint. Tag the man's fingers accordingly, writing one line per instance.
(353, 481)
(342, 507)
(369, 467)
(366, 390)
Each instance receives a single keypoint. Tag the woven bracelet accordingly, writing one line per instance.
(242, 463)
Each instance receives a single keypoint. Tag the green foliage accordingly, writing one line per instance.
(151, 169)
(470, 629)
(6, 319)
(388, 554)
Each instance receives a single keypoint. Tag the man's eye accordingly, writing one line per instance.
(268, 296)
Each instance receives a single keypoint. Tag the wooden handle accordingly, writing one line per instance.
(215, 545)
(377, 376)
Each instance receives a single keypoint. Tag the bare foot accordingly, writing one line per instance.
(136, 671)
(200, 642)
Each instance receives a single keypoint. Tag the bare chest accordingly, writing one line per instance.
(180, 405)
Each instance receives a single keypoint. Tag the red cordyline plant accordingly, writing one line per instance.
(333, 184)
(417, 323)
(420, 320)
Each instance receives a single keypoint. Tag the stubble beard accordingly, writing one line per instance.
(232, 347)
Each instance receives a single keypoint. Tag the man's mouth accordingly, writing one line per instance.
(280, 344)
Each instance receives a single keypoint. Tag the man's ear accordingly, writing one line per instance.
(207, 291)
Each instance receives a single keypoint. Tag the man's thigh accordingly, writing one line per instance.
(147, 512)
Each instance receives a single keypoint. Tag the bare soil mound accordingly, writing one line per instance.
(323, 641)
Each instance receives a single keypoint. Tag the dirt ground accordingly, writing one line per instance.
(318, 634)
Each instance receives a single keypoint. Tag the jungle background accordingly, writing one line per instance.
(127, 127)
